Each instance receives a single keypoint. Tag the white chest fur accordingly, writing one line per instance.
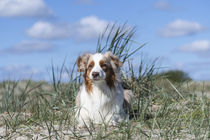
(102, 105)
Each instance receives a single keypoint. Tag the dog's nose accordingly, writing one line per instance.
(95, 74)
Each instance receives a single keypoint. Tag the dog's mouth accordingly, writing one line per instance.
(97, 79)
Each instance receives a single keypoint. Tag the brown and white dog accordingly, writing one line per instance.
(101, 97)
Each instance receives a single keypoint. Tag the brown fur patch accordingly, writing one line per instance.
(114, 58)
(103, 65)
(110, 75)
(82, 62)
(88, 82)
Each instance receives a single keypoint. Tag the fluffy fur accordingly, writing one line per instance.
(101, 97)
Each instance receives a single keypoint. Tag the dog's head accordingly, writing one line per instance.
(99, 67)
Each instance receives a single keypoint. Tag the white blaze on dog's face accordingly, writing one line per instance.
(95, 65)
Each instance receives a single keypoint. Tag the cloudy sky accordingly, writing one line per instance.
(36, 33)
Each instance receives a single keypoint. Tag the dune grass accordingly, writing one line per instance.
(160, 109)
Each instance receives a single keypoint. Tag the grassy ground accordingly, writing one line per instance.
(161, 109)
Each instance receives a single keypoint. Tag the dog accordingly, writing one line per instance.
(101, 98)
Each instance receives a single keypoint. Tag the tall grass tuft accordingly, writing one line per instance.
(118, 40)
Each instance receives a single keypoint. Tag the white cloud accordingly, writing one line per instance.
(15, 68)
(46, 30)
(196, 46)
(181, 28)
(16, 72)
(163, 5)
(87, 28)
(24, 8)
(30, 47)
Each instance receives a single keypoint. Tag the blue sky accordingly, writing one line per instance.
(34, 34)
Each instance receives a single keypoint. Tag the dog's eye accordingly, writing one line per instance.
(104, 66)
(90, 66)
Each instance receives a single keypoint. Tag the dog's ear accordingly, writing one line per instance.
(82, 62)
(114, 58)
